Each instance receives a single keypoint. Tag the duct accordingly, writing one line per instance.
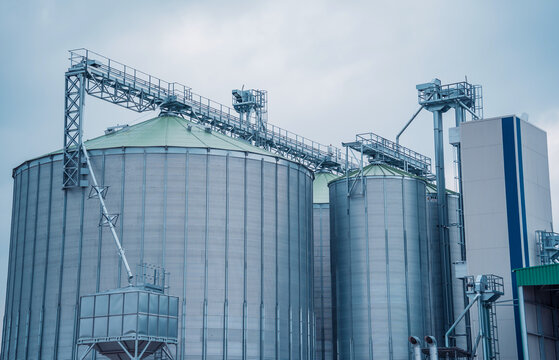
(416, 345)
(408, 124)
(432, 344)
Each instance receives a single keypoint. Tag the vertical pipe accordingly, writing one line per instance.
(276, 230)
(443, 218)
(226, 267)
(206, 239)
(416, 345)
(460, 118)
(185, 257)
(432, 344)
(261, 333)
(523, 330)
(482, 330)
(299, 252)
(367, 260)
(244, 335)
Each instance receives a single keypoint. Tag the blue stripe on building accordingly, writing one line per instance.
(513, 213)
(522, 199)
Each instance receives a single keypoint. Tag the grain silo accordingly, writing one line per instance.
(325, 345)
(229, 221)
(378, 223)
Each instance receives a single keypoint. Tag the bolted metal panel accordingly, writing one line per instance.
(376, 236)
(232, 228)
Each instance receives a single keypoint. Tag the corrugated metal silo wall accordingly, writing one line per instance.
(233, 229)
(377, 261)
(325, 347)
(434, 274)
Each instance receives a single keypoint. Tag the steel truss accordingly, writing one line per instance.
(377, 148)
(73, 115)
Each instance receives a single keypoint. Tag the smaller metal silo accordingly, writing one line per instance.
(325, 346)
(378, 223)
(434, 266)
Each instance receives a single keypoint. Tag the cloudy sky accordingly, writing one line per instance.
(332, 68)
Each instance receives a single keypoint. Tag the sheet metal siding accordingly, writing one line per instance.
(538, 275)
(434, 274)
(325, 346)
(234, 229)
(376, 238)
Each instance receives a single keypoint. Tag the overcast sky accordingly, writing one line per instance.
(332, 68)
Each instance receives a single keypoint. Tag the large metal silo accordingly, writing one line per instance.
(325, 345)
(378, 223)
(230, 222)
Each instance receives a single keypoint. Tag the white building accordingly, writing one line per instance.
(506, 193)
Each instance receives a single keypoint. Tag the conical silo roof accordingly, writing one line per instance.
(171, 131)
(320, 187)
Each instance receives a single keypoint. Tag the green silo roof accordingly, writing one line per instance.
(320, 192)
(170, 131)
(538, 275)
(380, 169)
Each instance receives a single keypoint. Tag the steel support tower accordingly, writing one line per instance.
(438, 99)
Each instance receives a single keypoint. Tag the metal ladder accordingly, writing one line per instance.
(493, 333)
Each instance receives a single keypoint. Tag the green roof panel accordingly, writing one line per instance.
(538, 275)
(381, 169)
(171, 131)
(320, 192)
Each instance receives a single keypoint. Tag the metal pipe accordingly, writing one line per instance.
(442, 210)
(408, 124)
(416, 345)
(462, 314)
(467, 109)
(474, 350)
(106, 214)
(483, 332)
(432, 344)
(524, 333)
